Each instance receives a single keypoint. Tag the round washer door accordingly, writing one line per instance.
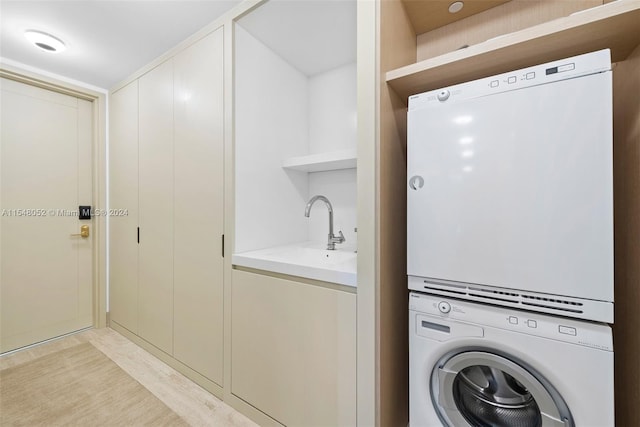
(481, 388)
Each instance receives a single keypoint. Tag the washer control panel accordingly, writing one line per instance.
(579, 332)
(444, 307)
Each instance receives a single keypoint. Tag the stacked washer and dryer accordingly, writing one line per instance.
(510, 249)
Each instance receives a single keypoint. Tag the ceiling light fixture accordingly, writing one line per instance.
(456, 7)
(45, 41)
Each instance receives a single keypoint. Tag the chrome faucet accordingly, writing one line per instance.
(333, 239)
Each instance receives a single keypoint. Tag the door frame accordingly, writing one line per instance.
(98, 101)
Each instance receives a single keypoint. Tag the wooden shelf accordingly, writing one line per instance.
(427, 15)
(614, 25)
(322, 162)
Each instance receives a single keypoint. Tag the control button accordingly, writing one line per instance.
(494, 83)
(512, 79)
(444, 307)
(530, 76)
(513, 320)
(566, 67)
(443, 95)
(532, 323)
(567, 330)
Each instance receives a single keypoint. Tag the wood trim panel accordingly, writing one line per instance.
(367, 215)
(397, 47)
(626, 160)
(427, 15)
(513, 16)
(613, 26)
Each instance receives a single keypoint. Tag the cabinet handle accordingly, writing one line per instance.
(223, 246)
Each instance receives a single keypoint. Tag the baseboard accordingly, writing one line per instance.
(250, 411)
(235, 402)
(194, 376)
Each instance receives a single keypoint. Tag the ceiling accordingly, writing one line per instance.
(313, 36)
(107, 39)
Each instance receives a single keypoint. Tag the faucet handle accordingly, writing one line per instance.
(338, 239)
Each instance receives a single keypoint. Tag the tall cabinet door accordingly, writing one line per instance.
(156, 207)
(123, 184)
(198, 206)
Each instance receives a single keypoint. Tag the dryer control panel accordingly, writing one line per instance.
(590, 63)
(588, 334)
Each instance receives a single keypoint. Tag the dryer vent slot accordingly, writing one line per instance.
(494, 295)
(551, 307)
(495, 292)
(559, 305)
(444, 291)
(552, 303)
(504, 297)
(553, 300)
(493, 298)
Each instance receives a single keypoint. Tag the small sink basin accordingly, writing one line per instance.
(308, 260)
(309, 256)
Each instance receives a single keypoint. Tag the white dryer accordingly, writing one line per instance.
(480, 365)
(510, 189)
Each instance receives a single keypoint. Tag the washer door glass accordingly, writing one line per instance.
(487, 396)
(483, 389)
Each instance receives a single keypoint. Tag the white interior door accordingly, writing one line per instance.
(45, 174)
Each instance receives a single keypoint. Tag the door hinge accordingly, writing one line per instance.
(138, 234)
(223, 246)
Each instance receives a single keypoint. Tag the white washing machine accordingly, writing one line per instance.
(481, 365)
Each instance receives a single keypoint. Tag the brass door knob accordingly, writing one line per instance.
(84, 232)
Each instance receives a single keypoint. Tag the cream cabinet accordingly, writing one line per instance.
(167, 167)
(198, 207)
(123, 253)
(155, 200)
(293, 350)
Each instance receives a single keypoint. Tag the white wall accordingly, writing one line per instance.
(333, 110)
(333, 127)
(271, 124)
(282, 113)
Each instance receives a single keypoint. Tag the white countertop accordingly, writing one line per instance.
(310, 259)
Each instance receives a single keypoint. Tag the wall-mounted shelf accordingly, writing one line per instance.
(613, 25)
(429, 15)
(346, 159)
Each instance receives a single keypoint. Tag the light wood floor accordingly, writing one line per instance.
(191, 402)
